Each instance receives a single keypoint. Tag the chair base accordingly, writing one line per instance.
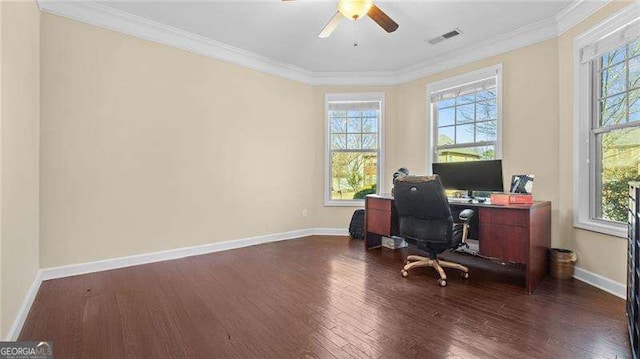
(419, 261)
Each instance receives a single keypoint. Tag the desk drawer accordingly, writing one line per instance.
(511, 217)
(382, 204)
(505, 242)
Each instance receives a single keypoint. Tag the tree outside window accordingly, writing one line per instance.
(465, 117)
(353, 148)
(616, 130)
(466, 121)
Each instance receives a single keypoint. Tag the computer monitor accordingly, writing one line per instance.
(471, 176)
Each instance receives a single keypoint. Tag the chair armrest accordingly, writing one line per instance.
(466, 215)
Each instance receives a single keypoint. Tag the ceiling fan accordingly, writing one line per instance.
(355, 10)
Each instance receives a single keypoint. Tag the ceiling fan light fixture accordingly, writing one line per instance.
(354, 9)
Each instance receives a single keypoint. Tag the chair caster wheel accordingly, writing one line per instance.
(465, 275)
(442, 282)
(404, 273)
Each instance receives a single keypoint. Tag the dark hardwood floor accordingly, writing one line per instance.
(321, 297)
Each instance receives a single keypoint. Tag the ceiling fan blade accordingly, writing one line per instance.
(382, 19)
(331, 25)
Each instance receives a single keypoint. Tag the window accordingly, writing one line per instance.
(465, 117)
(615, 130)
(353, 153)
(606, 122)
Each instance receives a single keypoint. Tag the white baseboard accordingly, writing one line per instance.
(331, 232)
(13, 333)
(598, 281)
(107, 264)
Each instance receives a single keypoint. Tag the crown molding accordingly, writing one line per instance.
(521, 37)
(93, 13)
(576, 12)
(100, 15)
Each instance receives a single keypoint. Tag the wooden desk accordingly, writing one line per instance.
(519, 233)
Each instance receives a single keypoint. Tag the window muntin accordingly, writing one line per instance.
(354, 124)
(600, 114)
(615, 131)
(466, 122)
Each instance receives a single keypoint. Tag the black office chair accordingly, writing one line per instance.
(425, 219)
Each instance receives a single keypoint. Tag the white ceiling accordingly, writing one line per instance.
(287, 31)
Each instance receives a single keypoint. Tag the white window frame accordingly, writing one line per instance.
(457, 81)
(584, 198)
(370, 96)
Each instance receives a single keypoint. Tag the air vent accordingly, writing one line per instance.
(446, 36)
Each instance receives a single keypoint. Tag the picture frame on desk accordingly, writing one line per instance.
(522, 184)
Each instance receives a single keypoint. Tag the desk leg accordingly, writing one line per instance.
(533, 279)
(536, 270)
(539, 244)
(372, 240)
(531, 282)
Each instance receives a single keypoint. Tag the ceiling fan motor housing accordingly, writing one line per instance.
(354, 9)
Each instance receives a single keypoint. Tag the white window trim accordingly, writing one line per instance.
(456, 81)
(370, 96)
(583, 198)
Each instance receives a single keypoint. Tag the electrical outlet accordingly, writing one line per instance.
(304, 213)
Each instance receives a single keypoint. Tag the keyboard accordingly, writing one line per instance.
(459, 200)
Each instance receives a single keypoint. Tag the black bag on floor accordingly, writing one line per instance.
(356, 227)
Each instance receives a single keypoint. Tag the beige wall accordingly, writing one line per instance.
(2, 320)
(142, 147)
(538, 130)
(147, 147)
(599, 253)
(529, 114)
(530, 97)
(530, 123)
(19, 115)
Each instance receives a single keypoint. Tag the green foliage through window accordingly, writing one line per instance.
(353, 149)
(617, 130)
(364, 192)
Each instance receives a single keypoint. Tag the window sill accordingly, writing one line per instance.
(345, 203)
(603, 227)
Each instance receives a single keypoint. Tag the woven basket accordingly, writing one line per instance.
(562, 263)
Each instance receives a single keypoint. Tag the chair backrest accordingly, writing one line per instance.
(423, 208)
(421, 197)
